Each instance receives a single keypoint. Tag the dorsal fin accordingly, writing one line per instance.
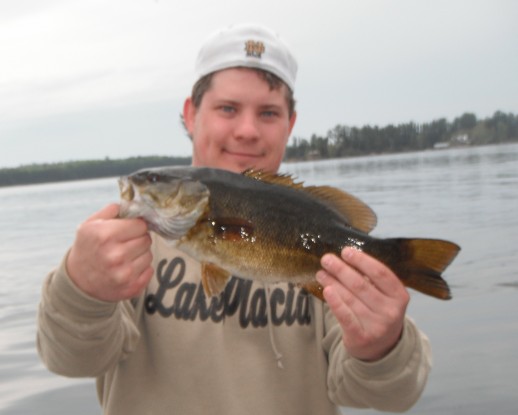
(273, 178)
(355, 212)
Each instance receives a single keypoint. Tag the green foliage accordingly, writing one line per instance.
(77, 170)
(344, 141)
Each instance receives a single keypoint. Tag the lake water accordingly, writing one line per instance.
(468, 195)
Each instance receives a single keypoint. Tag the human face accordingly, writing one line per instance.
(240, 123)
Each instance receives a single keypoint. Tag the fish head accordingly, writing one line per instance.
(170, 201)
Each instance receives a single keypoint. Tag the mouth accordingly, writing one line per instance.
(127, 191)
(244, 154)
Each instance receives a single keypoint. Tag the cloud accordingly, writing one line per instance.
(362, 62)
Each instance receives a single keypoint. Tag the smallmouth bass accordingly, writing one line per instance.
(267, 227)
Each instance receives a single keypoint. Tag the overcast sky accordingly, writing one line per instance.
(89, 79)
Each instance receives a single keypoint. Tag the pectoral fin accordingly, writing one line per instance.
(213, 278)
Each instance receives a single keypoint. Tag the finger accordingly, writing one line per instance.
(141, 282)
(345, 316)
(367, 334)
(354, 324)
(342, 295)
(124, 230)
(130, 250)
(378, 273)
(124, 271)
(126, 253)
(110, 211)
(354, 281)
(143, 272)
(138, 246)
(142, 263)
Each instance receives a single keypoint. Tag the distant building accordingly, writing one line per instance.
(461, 139)
(458, 140)
(441, 145)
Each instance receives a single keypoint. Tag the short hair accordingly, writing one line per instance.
(274, 82)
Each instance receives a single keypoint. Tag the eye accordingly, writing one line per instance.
(270, 114)
(227, 109)
(153, 177)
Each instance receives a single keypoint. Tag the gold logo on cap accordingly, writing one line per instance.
(254, 49)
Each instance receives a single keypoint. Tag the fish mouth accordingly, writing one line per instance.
(169, 207)
(127, 191)
(127, 198)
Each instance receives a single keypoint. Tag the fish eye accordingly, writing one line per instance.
(153, 177)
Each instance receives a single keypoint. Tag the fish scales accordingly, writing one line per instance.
(290, 232)
(259, 229)
(266, 227)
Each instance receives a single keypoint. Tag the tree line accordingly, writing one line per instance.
(344, 141)
(78, 170)
(341, 141)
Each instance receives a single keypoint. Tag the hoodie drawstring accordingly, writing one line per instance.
(278, 355)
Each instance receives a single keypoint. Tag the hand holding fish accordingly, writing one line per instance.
(110, 259)
(367, 299)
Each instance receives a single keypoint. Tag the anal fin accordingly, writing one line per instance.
(314, 288)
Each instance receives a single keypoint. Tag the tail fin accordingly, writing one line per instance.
(422, 262)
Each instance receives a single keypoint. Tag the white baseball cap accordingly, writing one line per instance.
(248, 45)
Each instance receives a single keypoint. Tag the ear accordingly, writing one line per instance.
(292, 120)
(189, 112)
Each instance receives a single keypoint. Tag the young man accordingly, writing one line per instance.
(126, 308)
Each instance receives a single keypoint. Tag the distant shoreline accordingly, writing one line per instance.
(340, 142)
(97, 169)
(82, 170)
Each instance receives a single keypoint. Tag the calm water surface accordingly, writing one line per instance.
(467, 195)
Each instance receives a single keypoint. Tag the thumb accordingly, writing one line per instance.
(110, 211)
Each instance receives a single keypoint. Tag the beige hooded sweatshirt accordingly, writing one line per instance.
(255, 349)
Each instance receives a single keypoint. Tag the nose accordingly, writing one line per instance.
(247, 127)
